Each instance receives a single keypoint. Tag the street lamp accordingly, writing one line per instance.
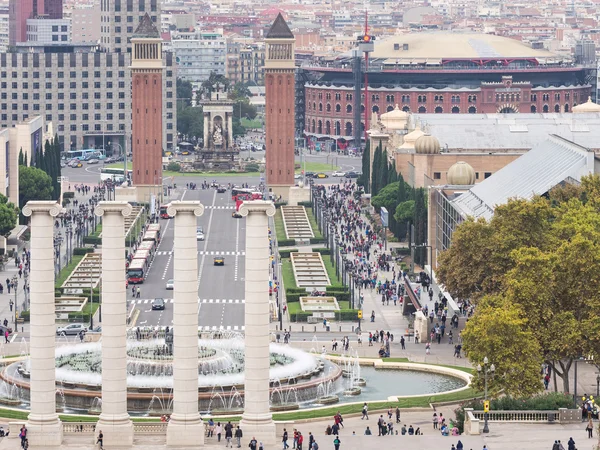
(25, 289)
(15, 283)
(486, 370)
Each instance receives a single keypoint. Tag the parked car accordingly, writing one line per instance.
(158, 303)
(351, 174)
(338, 174)
(170, 284)
(72, 329)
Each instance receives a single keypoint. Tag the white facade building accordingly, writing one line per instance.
(50, 31)
(199, 54)
(3, 30)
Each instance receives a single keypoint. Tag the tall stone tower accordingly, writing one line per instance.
(146, 111)
(280, 111)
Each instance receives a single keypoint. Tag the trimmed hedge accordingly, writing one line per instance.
(280, 204)
(294, 297)
(343, 314)
(316, 240)
(24, 315)
(93, 240)
(286, 253)
(68, 194)
(295, 290)
(322, 250)
(286, 242)
(305, 204)
(83, 250)
(402, 251)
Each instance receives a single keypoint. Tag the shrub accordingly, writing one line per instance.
(295, 291)
(402, 251)
(286, 242)
(174, 167)
(316, 240)
(305, 204)
(252, 167)
(322, 250)
(83, 250)
(24, 315)
(92, 240)
(286, 253)
(280, 204)
(300, 316)
(295, 297)
(68, 194)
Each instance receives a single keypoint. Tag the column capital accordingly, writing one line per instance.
(257, 206)
(178, 206)
(113, 207)
(38, 206)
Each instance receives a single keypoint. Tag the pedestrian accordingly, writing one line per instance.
(238, 436)
(138, 292)
(590, 428)
(6, 340)
(81, 335)
(284, 439)
(336, 443)
(26, 444)
(10, 303)
(23, 435)
(300, 441)
(365, 412)
(100, 440)
(435, 421)
(459, 445)
(253, 443)
(219, 431)
(228, 435)
(402, 342)
(397, 414)
(571, 444)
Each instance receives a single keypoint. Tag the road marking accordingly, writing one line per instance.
(220, 207)
(223, 300)
(14, 336)
(219, 253)
(237, 253)
(203, 253)
(222, 327)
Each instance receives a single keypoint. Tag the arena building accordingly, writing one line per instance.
(439, 73)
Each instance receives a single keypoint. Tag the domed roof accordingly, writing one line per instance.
(427, 145)
(411, 138)
(587, 107)
(395, 119)
(461, 174)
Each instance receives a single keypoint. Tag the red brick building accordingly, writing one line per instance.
(444, 73)
(280, 107)
(146, 77)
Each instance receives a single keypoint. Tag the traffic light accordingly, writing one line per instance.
(360, 314)
(486, 406)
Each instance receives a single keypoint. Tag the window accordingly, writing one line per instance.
(55, 28)
(61, 85)
(36, 85)
(73, 106)
(64, 38)
(73, 95)
(61, 95)
(437, 175)
(73, 117)
(54, 38)
(487, 175)
(97, 95)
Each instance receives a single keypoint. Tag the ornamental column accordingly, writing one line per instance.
(43, 425)
(257, 419)
(114, 421)
(185, 428)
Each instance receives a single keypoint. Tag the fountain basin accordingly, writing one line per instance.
(10, 401)
(285, 407)
(353, 391)
(328, 400)
(360, 382)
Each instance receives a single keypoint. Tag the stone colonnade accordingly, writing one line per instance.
(185, 428)
(257, 420)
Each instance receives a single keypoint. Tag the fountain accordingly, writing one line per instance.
(96, 407)
(9, 394)
(325, 394)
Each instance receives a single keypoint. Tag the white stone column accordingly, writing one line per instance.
(206, 130)
(114, 421)
(257, 419)
(44, 427)
(185, 428)
(230, 128)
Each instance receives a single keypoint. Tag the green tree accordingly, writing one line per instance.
(21, 158)
(239, 91)
(9, 214)
(375, 175)
(185, 92)
(498, 330)
(25, 160)
(210, 85)
(382, 170)
(34, 184)
(420, 223)
(190, 122)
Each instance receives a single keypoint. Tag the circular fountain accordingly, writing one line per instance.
(297, 378)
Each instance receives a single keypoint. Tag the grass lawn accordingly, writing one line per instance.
(313, 223)
(254, 123)
(287, 272)
(335, 281)
(168, 173)
(98, 231)
(316, 167)
(66, 271)
(279, 227)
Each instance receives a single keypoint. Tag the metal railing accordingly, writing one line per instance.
(519, 416)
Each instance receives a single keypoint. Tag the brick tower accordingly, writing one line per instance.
(280, 112)
(147, 81)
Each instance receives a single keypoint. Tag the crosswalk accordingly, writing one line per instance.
(220, 207)
(207, 253)
(146, 301)
(217, 253)
(222, 328)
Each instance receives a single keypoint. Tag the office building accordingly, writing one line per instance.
(47, 31)
(3, 30)
(120, 18)
(85, 26)
(199, 54)
(87, 96)
(53, 9)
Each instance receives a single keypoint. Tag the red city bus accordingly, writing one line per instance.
(245, 194)
(151, 236)
(154, 227)
(143, 255)
(136, 271)
(147, 245)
